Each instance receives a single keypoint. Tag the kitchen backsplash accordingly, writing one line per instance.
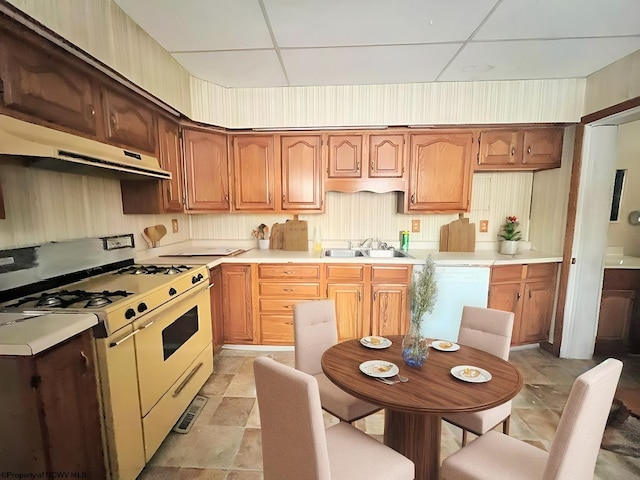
(44, 206)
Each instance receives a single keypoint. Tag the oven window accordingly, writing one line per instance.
(176, 334)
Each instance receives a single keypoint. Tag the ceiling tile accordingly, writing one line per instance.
(537, 59)
(518, 19)
(199, 25)
(246, 68)
(306, 23)
(366, 65)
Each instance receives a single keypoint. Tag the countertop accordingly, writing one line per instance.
(621, 262)
(482, 258)
(28, 334)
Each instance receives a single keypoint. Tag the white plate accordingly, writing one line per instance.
(379, 368)
(472, 374)
(445, 346)
(368, 342)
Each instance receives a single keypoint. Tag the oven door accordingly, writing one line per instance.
(168, 341)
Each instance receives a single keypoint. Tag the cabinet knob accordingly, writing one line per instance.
(529, 149)
(413, 198)
(358, 166)
(372, 165)
(513, 151)
(518, 296)
(84, 359)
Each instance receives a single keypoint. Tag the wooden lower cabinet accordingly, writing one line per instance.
(529, 291)
(237, 301)
(389, 299)
(345, 286)
(618, 320)
(280, 287)
(49, 412)
(217, 310)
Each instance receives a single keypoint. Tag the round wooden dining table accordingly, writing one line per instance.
(413, 410)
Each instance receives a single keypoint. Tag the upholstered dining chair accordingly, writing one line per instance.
(295, 443)
(574, 449)
(489, 330)
(314, 331)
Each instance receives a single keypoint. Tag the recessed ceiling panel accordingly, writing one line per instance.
(366, 65)
(517, 19)
(251, 68)
(200, 24)
(537, 59)
(307, 23)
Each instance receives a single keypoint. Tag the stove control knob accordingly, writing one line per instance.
(142, 307)
(200, 276)
(129, 314)
(172, 291)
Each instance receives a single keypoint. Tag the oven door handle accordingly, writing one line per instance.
(186, 380)
(123, 339)
(147, 325)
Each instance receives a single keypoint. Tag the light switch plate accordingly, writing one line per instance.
(484, 226)
(415, 226)
(174, 225)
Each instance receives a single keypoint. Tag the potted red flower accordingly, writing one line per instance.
(510, 235)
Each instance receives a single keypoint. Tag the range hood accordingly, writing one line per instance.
(42, 147)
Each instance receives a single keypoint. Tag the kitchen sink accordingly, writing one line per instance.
(387, 253)
(370, 252)
(342, 252)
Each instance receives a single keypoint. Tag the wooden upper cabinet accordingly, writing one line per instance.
(345, 156)
(128, 122)
(46, 86)
(386, 156)
(206, 165)
(254, 172)
(440, 172)
(520, 149)
(171, 160)
(301, 158)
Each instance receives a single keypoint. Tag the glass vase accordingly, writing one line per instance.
(415, 347)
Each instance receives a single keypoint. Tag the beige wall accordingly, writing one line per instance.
(621, 233)
(613, 84)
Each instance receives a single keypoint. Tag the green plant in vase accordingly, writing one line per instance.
(423, 293)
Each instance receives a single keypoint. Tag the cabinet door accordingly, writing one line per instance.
(500, 148)
(440, 172)
(386, 156)
(237, 304)
(301, 172)
(254, 172)
(616, 311)
(349, 309)
(207, 170)
(388, 312)
(537, 309)
(217, 311)
(46, 86)
(345, 156)
(68, 392)
(508, 297)
(170, 160)
(127, 122)
(543, 147)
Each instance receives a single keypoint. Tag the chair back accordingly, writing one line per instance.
(314, 331)
(294, 444)
(575, 448)
(486, 329)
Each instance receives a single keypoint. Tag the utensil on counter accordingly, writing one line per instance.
(154, 234)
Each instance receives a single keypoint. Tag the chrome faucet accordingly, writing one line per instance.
(364, 242)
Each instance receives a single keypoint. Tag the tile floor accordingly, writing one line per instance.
(224, 441)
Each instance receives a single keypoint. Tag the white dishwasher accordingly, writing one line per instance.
(457, 286)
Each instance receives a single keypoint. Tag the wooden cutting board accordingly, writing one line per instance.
(276, 240)
(154, 234)
(296, 235)
(458, 236)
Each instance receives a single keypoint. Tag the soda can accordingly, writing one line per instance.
(404, 243)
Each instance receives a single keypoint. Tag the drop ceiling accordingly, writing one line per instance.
(278, 43)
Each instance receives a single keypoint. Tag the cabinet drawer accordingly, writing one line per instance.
(277, 305)
(538, 271)
(345, 272)
(506, 273)
(285, 290)
(287, 270)
(276, 329)
(398, 274)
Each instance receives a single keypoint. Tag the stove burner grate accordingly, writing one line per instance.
(66, 298)
(153, 270)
